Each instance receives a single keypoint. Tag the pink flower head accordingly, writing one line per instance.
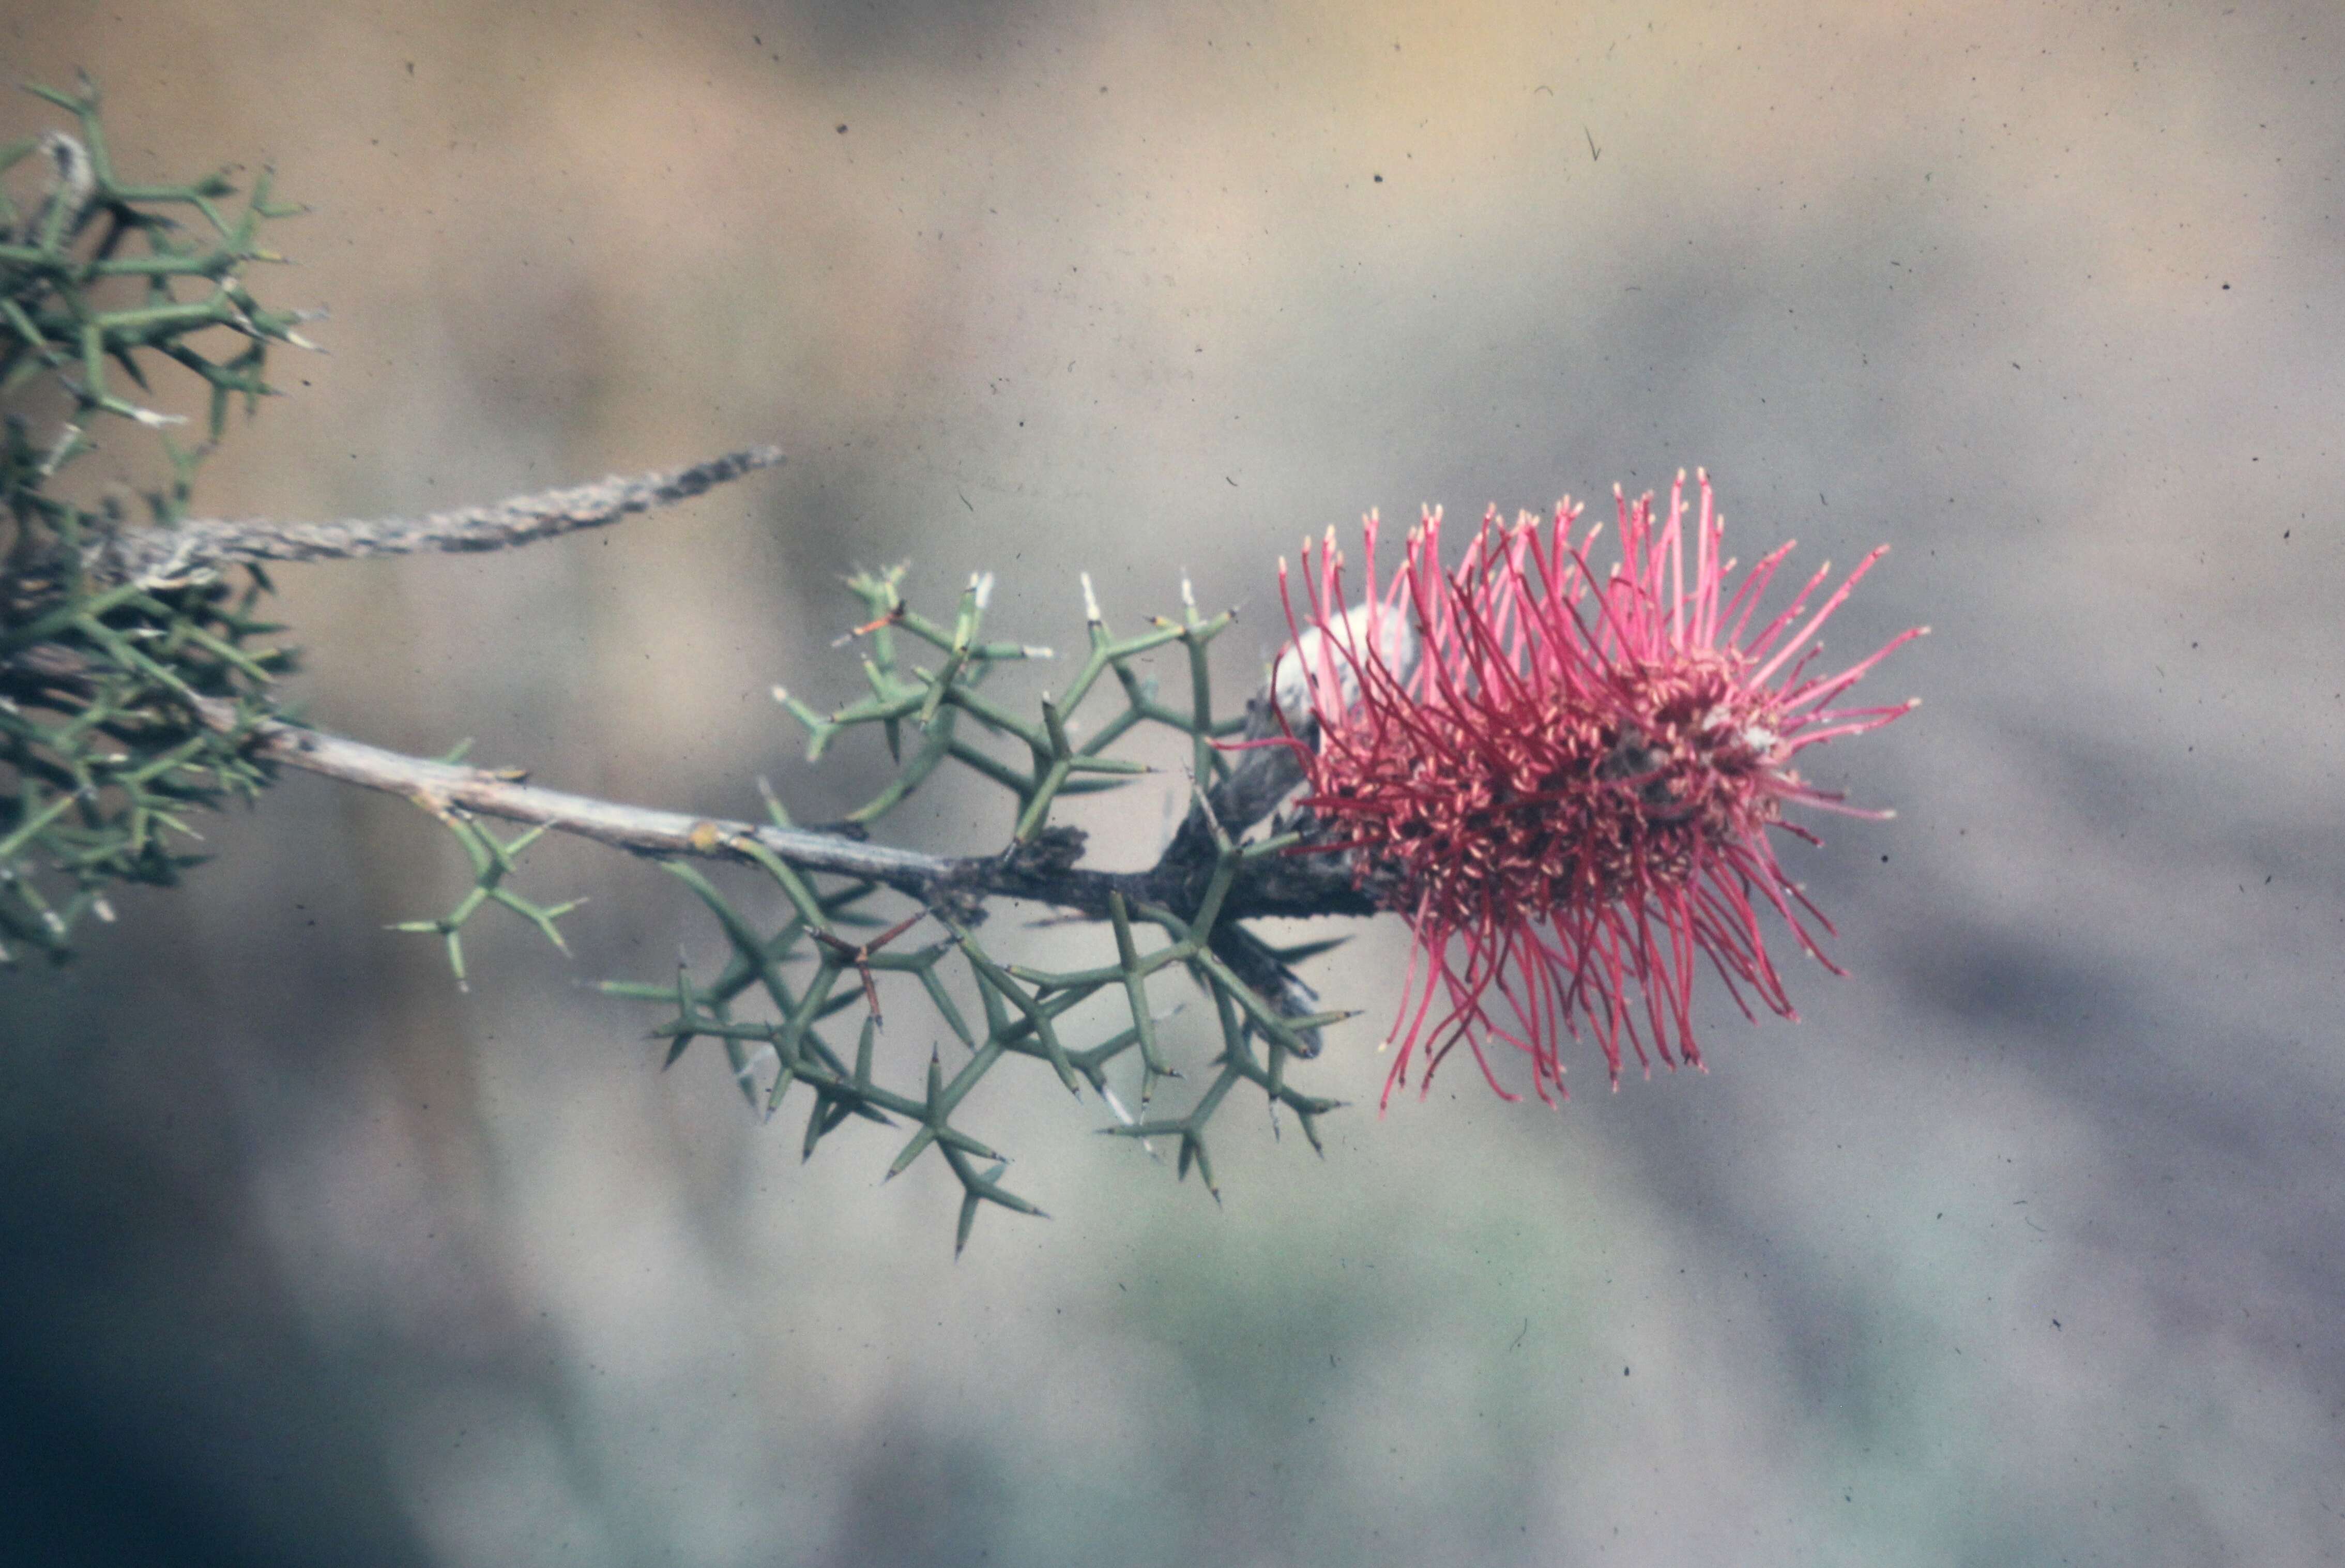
(1564, 779)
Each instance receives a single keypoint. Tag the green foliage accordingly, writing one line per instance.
(492, 861)
(105, 745)
(1025, 1013)
(129, 696)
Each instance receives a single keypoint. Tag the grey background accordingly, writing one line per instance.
(2022, 1248)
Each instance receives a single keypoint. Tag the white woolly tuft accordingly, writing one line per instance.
(1308, 661)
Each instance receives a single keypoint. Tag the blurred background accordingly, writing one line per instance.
(2024, 1247)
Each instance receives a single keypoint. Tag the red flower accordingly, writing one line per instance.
(1565, 780)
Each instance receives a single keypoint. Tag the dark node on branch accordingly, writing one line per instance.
(1053, 852)
(959, 896)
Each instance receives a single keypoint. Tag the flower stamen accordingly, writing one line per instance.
(1565, 780)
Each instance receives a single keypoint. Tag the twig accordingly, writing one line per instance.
(504, 794)
(153, 558)
(1042, 871)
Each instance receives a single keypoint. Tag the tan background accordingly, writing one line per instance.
(2024, 1247)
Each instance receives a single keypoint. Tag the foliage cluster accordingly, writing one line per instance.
(103, 749)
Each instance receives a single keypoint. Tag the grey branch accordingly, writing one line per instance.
(153, 558)
(506, 794)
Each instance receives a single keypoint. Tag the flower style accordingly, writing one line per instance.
(1566, 780)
